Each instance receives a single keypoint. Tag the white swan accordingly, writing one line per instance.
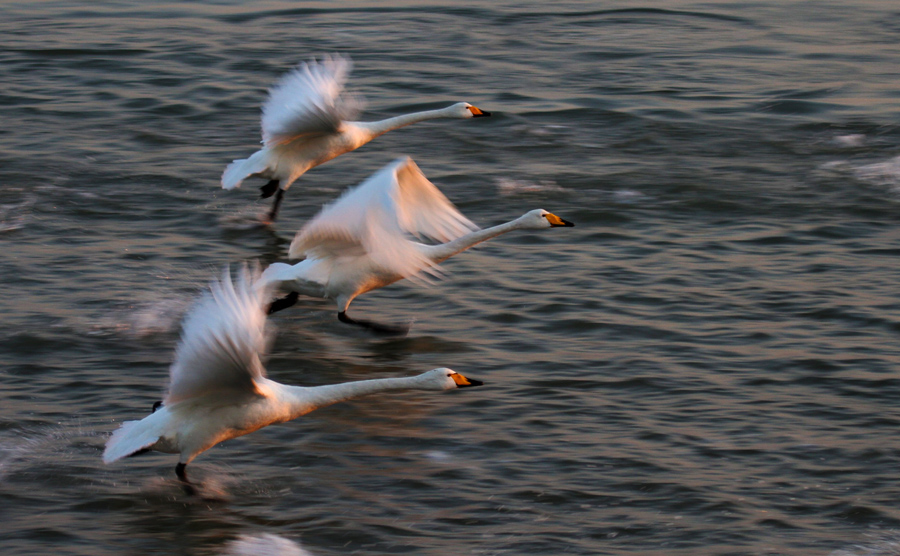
(359, 243)
(305, 123)
(218, 388)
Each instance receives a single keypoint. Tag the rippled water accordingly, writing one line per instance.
(706, 364)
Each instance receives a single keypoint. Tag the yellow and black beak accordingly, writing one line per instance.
(462, 382)
(557, 222)
(478, 112)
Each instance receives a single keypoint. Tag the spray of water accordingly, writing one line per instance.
(265, 544)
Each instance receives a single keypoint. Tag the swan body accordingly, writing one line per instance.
(218, 388)
(361, 241)
(307, 121)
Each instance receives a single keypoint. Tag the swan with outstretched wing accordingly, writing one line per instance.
(308, 120)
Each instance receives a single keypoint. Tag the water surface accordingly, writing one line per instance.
(706, 364)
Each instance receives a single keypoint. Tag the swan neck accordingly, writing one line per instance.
(307, 399)
(443, 251)
(383, 126)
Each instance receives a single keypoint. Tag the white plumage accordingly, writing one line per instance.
(306, 121)
(309, 101)
(375, 219)
(362, 241)
(218, 387)
(221, 343)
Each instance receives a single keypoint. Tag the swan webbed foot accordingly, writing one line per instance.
(283, 303)
(182, 476)
(156, 405)
(374, 326)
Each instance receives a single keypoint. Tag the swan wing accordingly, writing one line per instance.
(221, 341)
(309, 101)
(376, 218)
(420, 207)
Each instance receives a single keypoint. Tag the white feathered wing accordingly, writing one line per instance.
(309, 101)
(375, 219)
(219, 352)
(221, 341)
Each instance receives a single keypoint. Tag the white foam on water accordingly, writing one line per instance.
(881, 545)
(851, 140)
(159, 316)
(628, 196)
(439, 456)
(508, 186)
(546, 130)
(265, 544)
(214, 484)
(880, 173)
(28, 449)
(14, 216)
(152, 476)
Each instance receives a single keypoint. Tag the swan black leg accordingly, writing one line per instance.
(283, 303)
(269, 189)
(273, 214)
(156, 405)
(182, 476)
(373, 326)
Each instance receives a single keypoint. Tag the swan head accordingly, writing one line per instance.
(466, 110)
(539, 219)
(446, 379)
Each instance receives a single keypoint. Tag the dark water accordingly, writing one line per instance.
(706, 364)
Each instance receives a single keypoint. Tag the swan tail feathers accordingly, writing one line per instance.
(241, 169)
(131, 437)
(274, 274)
